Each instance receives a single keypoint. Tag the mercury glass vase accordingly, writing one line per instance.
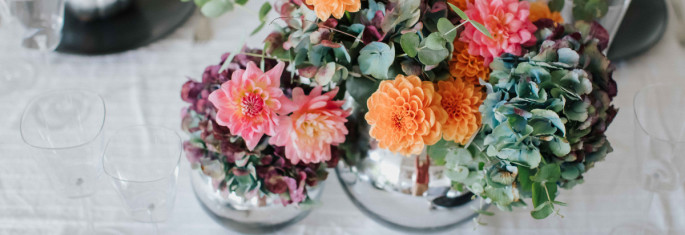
(391, 189)
(248, 214)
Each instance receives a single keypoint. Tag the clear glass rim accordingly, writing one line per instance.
(637, 118)
(164, 176)
(53, 92)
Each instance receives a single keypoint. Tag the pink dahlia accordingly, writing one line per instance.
(247, 104)
(506, 20)
(317, 123)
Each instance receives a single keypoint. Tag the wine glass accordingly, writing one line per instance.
(16, 73)
(659, 147)
(143, 164)
(660, 136)
(64, 131)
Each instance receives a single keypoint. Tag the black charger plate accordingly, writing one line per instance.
(141, 23)
(643, 26)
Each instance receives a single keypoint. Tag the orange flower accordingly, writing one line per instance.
(325, 8)
(466, 66)
(405, 115)
(461, 101)
(461, 4)
(540, 10)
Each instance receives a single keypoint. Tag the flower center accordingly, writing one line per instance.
(455, 107)
(401, 119)
(252, 104)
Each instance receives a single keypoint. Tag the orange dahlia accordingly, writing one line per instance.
(405, 115)
(540, 10)
(466, 66)
(461, 101)
(325, 8)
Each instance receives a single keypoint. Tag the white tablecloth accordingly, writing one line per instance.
(142, 87)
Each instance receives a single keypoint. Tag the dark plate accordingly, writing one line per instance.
(142, 22)
(643, 26)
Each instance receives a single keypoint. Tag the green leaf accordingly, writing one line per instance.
(458, 174)
(241, 2)
(264, 10)
(361, 89)
(446, 29)
(200, 3)
(524, 178)
(232, 55)
(548, 173)
(410, 43)
(440, 150)
(434, 41)
(481, 28)
(433, 57)
(542, 212)
(216, 8)
(375, 59)
(556, 5)
(559, 147)
(459, 12)
(256, 30)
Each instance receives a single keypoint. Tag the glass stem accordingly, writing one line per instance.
(149, 213)
(87, 211)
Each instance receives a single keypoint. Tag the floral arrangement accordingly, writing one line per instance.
(510, 100)
(258, 135)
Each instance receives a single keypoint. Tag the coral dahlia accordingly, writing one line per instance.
(316, 123)
(405, 115)
(506, 20)
(466, 66)
(247, 104)
(460, 100)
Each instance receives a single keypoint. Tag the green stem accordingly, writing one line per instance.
(455, 28)
(265, 57)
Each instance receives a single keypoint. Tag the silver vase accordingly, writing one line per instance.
(248, 215)
(383, 185)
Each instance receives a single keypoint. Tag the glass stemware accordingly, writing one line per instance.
(64, 130)
(659, 148)
(143, 164)
(660, 136)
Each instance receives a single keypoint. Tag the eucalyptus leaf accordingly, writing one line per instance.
(434, 41)
(446, 29)
(264, 10)
(410, 43)
(241, 2)
(433, 57)
(375, 59)
(481, 28)
(216, 8)
(459, 12)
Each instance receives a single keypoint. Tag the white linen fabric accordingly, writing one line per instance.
(143, 86)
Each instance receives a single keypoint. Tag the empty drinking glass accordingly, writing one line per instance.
(64, 130)
(42, 21)
(142, 162)
(660, 136)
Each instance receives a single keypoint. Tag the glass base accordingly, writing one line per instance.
(247, 215)
(405, 212)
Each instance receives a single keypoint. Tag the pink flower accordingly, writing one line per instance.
(247, 104)
(506, 20)
(317, 123)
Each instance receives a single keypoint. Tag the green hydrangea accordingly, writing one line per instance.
(543, 121)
